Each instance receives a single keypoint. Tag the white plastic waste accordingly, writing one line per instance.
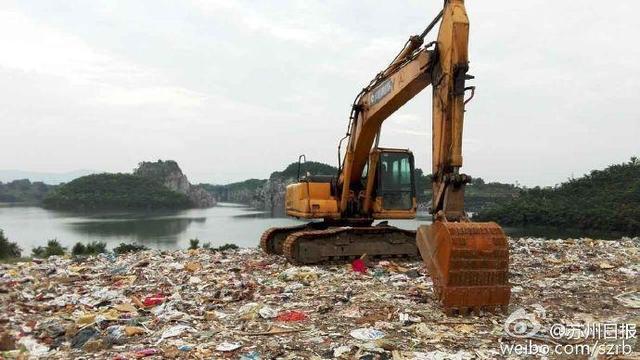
(366, 334)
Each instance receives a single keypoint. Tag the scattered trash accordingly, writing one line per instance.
(630, 299)
(305, 274)
(125, 308)
(367, 334)
(254, 355)
(174, 331)
(185, 347)
(133, 330)
(267, 312)
(248, 305)
(83, 336)
(7, 342)
(34, 348)
(341, 350)
(228, 346)
(115, 335)
(145, 352)
(358, 265)
(605, 265)
(192, 266)
(153, 300)
(292, 316)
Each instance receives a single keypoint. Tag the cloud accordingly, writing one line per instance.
(300, 25)
(45, 50)
(236, 89)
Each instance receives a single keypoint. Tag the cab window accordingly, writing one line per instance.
(395, 183)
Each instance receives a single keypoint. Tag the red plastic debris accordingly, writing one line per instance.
(145, 352)
(154, 300)
(292, 315)
(358, 265)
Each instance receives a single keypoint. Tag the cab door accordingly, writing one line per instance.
(395, 185)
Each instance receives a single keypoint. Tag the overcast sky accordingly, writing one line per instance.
(238, 89)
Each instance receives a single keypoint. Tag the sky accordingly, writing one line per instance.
(238, 89)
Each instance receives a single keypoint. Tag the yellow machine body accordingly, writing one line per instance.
(467, 261)
(386, 190)
(311, 200)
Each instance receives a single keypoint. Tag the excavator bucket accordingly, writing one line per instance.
(468, 263)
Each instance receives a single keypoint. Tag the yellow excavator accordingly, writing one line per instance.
(468, 261)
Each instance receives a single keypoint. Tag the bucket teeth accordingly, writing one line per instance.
(469, 265)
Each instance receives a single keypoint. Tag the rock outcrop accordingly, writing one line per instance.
(170, 175)
(271, 196)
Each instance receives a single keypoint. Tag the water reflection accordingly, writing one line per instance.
(164, 229)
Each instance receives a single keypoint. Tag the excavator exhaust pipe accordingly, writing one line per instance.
(468, 263)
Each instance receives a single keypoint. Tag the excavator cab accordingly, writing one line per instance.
(394, 195)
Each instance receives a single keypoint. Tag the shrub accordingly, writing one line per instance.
(97, 247)
(92, 248)
(53, 248)
(194, 244)
(128, 248)
(226, 247)
(8, 249)
(79, 249)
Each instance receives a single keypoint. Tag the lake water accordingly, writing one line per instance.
(225, 223)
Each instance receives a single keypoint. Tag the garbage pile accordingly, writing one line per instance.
(243, 304)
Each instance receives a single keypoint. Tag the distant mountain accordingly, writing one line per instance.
(153, 185)
(169, 174)
(24, 191)
(50, 178)
(114, 192)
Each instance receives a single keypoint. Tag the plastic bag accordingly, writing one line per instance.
(366, 334)
(154, 300)
(358, 265)
(292, 315)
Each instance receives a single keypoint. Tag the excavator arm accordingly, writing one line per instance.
(468, 261)
(388, 92)
(448, 103)
(414, 69)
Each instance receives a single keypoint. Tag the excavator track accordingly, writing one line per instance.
(272, 239)
(337, 243)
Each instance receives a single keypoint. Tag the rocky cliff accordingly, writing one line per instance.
(170, 175)
(270, 196)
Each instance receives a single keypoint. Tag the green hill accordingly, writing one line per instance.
(114, 191)
(24, 191)
(606, 199)
(312, 167)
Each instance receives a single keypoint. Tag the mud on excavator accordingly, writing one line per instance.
(468, 261)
